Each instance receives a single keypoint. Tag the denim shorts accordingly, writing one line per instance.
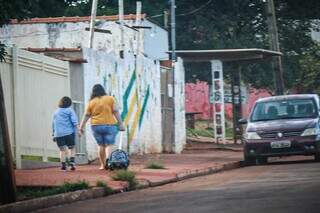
(67, 140)
(105, 134)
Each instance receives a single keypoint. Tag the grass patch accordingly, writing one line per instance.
(200, 132)
(229, 133)
(34, 192)
(31, 157)
(207, 132)
(107, 189)
(53, 159)
(154, 165)
(124, 175)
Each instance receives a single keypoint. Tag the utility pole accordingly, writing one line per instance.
(92, 21)
(274, 45)
(138, 23)
(7, 177)
(173, 30)
(121, 12)
(165, 19)
(173, 59)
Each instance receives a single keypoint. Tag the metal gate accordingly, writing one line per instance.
(167, 109)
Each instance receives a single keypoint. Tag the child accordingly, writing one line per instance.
(64, 125)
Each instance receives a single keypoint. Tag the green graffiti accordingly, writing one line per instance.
(145, 101)
(126, 96)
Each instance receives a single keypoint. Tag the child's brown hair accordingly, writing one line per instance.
(65, 102)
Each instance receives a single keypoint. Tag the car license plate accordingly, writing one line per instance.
(280, 144)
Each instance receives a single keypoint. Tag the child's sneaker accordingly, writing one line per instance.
(72, 167)
(72, 164)
(63, 166)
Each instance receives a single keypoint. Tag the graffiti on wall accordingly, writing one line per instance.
(133, 106)
(197, 100)
(136, 88)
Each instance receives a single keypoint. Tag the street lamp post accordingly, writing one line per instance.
(173, 59)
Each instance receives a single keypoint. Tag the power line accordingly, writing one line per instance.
(196, 10)
(188, 13)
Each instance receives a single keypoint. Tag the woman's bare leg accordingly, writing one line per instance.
(108, 151)
(72, 153)
(102, 156)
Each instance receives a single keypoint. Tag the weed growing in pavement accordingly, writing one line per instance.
(70, 187)
(154, 165)
(34, 192)
(125, 175)
(107, 189)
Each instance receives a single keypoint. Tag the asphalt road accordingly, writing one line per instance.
(292, 187)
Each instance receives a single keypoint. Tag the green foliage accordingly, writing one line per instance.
(200, 132)
(125, 175)
(154, 165)
(106, 188)
(34, 192)
(309, 63)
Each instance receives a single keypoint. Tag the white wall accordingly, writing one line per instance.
(115, 74)
(315, 34)
(33, 85)
(155, 41)
(180, 119)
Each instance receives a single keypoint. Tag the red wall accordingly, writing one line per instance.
(197, 100)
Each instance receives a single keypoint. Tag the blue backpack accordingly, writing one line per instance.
(118, 159)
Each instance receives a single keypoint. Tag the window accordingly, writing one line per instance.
(284, 109)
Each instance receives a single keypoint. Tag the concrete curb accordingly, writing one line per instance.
(190, 174)
(96, 192)
(215, 148)
(54, 200)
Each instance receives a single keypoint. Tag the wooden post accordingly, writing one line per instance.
(121, 20)
(274, 45)
(236, 102)
(92, 21)
(7, 177)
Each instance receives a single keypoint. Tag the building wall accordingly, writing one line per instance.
(179, 102)
(137, 91)
(315, 34)
(197, 100)
(156, 44)
(70, 35)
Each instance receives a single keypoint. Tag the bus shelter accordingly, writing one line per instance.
(217, 58)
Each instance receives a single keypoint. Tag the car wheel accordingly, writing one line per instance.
(317, 157)
(262, 160)
(249, 161)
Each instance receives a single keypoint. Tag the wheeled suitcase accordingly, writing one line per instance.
(118, 159)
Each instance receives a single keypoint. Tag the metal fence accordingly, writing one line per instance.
(33, 84)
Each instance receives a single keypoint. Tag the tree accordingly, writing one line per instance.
(207, 24)
(309, 78)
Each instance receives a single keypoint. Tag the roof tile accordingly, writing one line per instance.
(72, 19)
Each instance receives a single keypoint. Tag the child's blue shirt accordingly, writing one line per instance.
(65, 122)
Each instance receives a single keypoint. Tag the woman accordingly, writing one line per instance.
(105, 122)
(64, 126)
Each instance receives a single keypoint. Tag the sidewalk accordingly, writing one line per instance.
(176, 167)
(204, 143)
